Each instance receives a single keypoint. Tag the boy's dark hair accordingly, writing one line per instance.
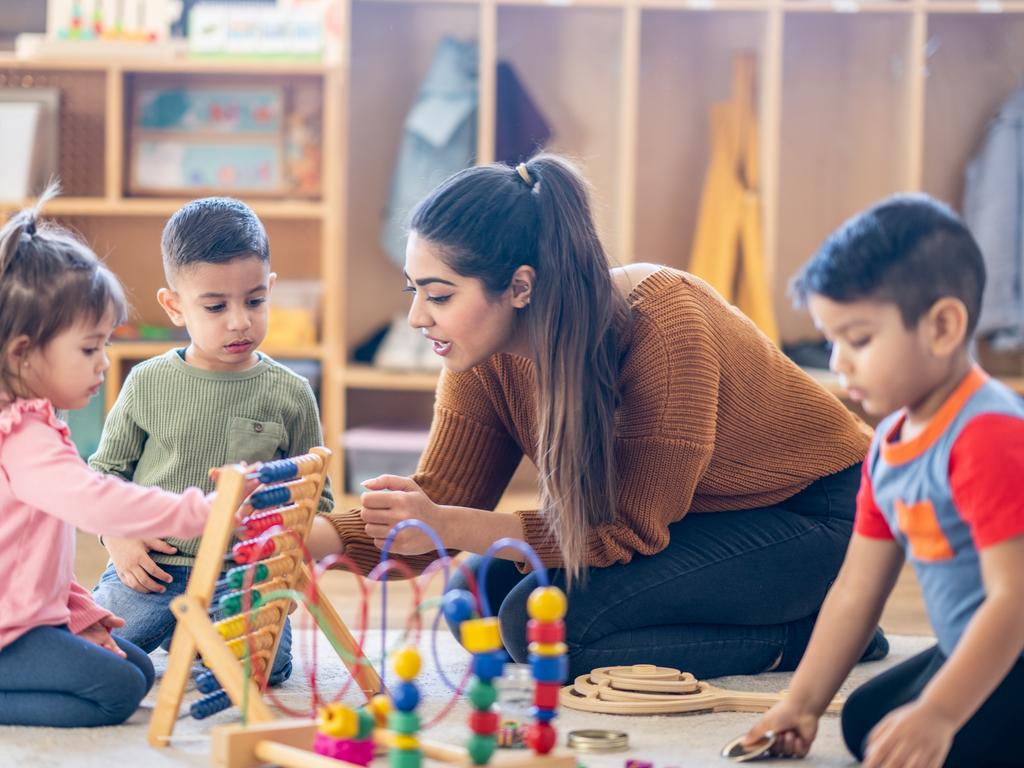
(909, 250)
(212, 230)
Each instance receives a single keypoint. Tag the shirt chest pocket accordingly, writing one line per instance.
(250, 440)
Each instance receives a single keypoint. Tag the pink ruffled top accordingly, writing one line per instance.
(46, 490)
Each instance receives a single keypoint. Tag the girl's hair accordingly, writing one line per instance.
(490, 220)
(49, 280)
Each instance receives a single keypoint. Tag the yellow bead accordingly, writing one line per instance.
(481, 635)
(549, 649)
(407, 663)
(380, 707)
(338, 721)
(546, 604)
(406, 742)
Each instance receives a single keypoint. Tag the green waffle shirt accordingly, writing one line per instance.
(172, 422)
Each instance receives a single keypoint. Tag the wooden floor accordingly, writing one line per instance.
(903, 615)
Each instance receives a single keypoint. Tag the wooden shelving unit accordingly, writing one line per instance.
(856, 100)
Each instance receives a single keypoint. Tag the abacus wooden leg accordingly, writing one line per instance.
(364, 674)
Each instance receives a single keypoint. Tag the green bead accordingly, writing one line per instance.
(236, 576)
(367, 722)
(480, 748)
(405, 758)
(482, 695)
(404, 722)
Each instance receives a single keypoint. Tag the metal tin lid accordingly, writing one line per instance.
(598, 740)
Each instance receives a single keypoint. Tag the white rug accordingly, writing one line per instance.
(691, 740)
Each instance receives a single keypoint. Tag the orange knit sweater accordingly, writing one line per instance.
(713, 417)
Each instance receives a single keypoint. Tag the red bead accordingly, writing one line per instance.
(545, 631)
(545, 695)
(541, 737)
(484, 723)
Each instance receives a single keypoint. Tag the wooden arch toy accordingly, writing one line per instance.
(645, 689)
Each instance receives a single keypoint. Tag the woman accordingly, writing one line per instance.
(696, 487)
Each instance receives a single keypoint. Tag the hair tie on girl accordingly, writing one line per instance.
(524, 174)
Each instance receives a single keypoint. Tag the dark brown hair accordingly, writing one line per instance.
(490, 220)
(49, 280)
(212, 230)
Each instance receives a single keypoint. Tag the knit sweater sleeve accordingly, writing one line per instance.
(469, 459)
(665, 436)
(304, 432)
(123, 440)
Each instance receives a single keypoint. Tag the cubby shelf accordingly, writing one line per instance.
(855, 101)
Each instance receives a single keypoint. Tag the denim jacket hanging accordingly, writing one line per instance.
(438, 138)
(994, 212)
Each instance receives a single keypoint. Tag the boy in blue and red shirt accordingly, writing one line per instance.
(897, 290)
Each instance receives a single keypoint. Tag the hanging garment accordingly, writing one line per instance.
(438, 139)
(520, 128)
(728, 250)
(994, 212)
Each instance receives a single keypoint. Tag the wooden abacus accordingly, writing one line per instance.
(293, 487)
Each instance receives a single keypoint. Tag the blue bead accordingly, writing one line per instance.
(207, 683)
(488, 666)
(270, 497)
(543, 715)
(549, 669)
(275, 471)
(457, 606)
(210, 705)
(405, 696)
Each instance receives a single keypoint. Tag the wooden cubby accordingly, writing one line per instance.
(855, 101)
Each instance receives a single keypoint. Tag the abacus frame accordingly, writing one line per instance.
(195, 631)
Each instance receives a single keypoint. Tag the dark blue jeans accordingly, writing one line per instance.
(732, 593)
(50, 677)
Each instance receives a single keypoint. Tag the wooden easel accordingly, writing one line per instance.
(196, 632)
(728, 250)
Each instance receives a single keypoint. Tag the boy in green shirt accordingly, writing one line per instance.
(215, 402)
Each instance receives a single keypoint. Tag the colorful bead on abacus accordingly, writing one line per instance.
(482, 637)
(403, 720)
(548, 662)
(343, 734)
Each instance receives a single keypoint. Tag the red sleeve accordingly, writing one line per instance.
(869, 521)
(986, 477)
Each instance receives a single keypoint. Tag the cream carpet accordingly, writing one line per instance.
(690, 740)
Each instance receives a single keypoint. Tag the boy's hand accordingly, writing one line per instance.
(794, 727)
(99, 633)
(134, 566)
(911, 735)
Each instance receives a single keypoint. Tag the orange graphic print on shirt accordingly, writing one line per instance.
(927, 540)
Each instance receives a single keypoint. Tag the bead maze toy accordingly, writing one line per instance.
(343, 737)
(645, 689)
(239, 649)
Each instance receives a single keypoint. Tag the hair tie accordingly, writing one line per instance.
(30, 228)
(524, 174)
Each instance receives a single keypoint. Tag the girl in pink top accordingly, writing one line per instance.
(59, 664)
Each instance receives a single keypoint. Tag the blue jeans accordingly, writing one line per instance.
(732, 593)
(149, 622)
(50, 677)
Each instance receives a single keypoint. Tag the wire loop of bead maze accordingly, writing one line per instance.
(304, 743)
(278, 518)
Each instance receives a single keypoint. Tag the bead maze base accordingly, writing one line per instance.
(289, 743)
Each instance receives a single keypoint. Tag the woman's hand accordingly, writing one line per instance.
(390, 499)
(912, 735)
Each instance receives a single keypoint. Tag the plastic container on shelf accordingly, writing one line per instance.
(381, 450)
(294, 312)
